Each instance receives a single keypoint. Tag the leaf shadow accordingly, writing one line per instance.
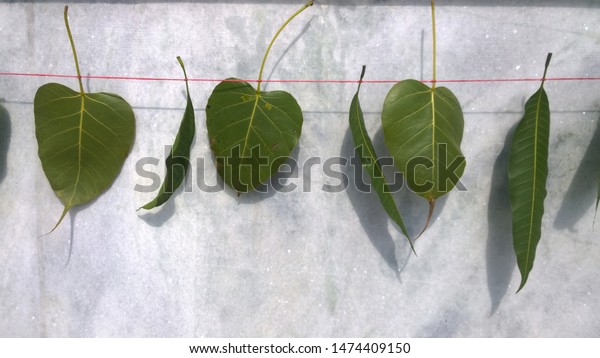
(372, 216)
(500, 259)
(71, 215)
(581, 194)
(5, 131)
(287, 49)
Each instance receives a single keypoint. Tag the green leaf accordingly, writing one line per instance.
(527, 173)
(179, 159)
(423, 129)
(368, 158)
(5, 129)
(83, 138)
(597, 200)
(251, 134)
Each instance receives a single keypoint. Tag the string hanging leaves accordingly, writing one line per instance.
(423, 130)
(178, 161)
(527, 173)
(252, 132)
(83, 138)
(368, 158)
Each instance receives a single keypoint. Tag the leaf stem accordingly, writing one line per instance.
(434, 50)
(184, 74)
(362, 74)
(262, 66)
(548, 58)
(74, 51)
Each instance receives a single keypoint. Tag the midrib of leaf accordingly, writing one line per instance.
(433, 124)
(433, 127)
(533, 193)
(79, 147)
(243, 153)
(431, 199)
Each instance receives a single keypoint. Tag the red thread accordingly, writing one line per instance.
(128, 78)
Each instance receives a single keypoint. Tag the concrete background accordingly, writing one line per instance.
(302, 263)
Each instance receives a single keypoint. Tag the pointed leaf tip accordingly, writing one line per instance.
(62, 216)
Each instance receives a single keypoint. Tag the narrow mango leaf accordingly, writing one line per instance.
(179, 159)
(5, 129)
(83, 138)
(423, 130)
(597, 202)
(252, 132)
(368, 158)
(527, 173)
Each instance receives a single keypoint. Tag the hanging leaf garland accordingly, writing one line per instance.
(252, 132)
(423, 130)
(527, 173)
(178, 161)
(83, 138)
(368, 158)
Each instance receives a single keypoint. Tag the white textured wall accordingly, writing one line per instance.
(302, 263)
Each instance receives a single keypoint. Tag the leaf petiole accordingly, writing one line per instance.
(262, 66)
(74, 51)
(548, 58)
(184, 73)
(434, 47)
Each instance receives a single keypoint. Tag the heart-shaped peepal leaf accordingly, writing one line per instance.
(178, 161)
(423, 130)
(252, 132)
(368, 158)
(83, 138)
(527, 173)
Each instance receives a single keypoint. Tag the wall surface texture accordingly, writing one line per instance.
(310, 262)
